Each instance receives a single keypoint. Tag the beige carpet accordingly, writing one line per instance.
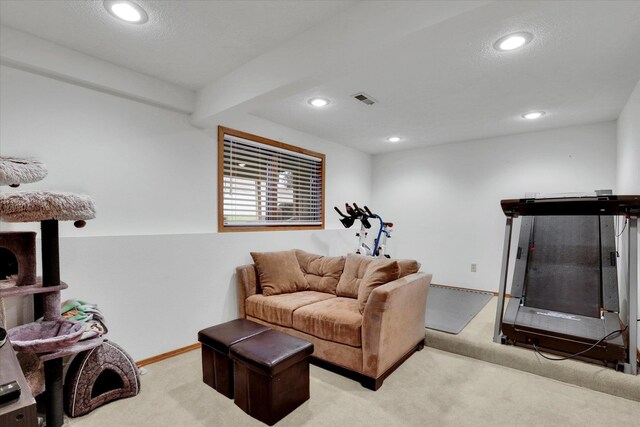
(431, 388)
(476, 341)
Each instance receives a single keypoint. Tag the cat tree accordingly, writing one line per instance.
(55, 337)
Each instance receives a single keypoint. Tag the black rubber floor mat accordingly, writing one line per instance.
(451, 309)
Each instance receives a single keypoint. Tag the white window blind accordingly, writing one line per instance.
(267, 185)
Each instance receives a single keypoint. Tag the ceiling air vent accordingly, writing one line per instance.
(364, 98)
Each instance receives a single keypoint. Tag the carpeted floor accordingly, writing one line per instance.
(476, 340)
(431, 388)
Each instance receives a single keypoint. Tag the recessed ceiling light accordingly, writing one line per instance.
(512, 41)
(127, 11)
(533, 115)
(242, 165)
(318, 102)
(394, 139)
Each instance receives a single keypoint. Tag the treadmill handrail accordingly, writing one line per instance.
(592, 205)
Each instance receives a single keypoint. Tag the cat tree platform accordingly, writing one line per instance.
(15, 171)
(10, 289)
(36, 206)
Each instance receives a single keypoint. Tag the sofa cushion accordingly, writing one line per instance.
(408, 266)
(279, 272)
(321, 272)
(335, 319)
(355, 267)
(279, 309)
(379, 272)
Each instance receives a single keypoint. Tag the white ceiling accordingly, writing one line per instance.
(186, 42)
(446, 83)
(435, 83)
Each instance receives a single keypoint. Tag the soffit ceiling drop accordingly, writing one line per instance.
(189, 43)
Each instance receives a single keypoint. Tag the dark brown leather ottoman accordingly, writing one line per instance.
(217, 368)
(271, 375)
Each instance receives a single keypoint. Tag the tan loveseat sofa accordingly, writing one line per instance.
(356, 319)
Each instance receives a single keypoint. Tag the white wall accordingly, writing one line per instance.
(629, 145)
(152, 259)
(445, 200)
(628, 171)
(142, 164)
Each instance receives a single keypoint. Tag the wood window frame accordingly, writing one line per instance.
(222, 131)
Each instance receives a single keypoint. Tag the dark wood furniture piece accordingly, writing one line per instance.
(21, 412)
(217, 367)
(271, 375)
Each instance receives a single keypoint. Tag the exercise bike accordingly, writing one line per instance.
(355, 213)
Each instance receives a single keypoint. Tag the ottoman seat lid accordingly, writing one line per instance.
(271, 352)
(223, 336)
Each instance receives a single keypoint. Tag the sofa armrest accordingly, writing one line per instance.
(393, 322)
(247, 284)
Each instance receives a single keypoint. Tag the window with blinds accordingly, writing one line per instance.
(266, 185)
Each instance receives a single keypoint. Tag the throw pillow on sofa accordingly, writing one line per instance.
(279, 272)
(408, 266)
(379, 272)
(355, 268)
(321, 272)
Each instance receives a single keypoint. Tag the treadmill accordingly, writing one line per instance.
(564, 293)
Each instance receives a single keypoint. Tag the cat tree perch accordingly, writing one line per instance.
(15, 171)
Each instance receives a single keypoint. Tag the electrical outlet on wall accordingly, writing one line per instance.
(474, 267)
